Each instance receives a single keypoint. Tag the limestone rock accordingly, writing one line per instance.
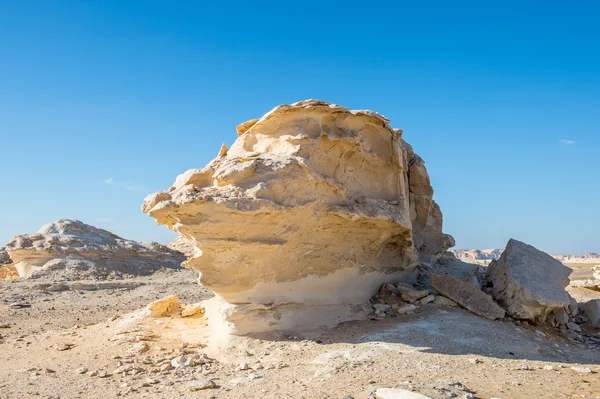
(529, 283)
(467, 296)
(164, 306)
(302, 219)
(591, 310)
(398, 393)
(192, 310)
(8, 272)
(72, 250)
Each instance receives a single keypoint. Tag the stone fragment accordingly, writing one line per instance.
(201, 385)
(164, 306)
(591, 310)
(443, 301)
(428, 299)
(192, 310)
(81, 370)
(409, 294)
(528, 283)
(585, 370)
(139, 348)
(405, 309)
(560, 316)
(465, 295)
(304, 217)
(72, 250)
(123, 369)
(63, 347)
(4, 325)
(397, 393)
(573, 307)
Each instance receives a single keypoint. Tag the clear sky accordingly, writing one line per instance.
(103, 102)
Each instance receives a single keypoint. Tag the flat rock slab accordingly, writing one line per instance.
(529, 283)
(467, 296)
(397, 393)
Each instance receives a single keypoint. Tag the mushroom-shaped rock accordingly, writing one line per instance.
(304, 216)
(529, 283)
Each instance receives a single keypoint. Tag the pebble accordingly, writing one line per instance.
(123, 369)
(139, 348)
(81, 370)
(428, 299)
(406, 309)
(201, 385)
(63, 347)
(243, 366)
(4, 325)
(254, 376)
(19, 305)
(475, 361)
(549, 368)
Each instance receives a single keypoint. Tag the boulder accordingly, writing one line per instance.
(72, 250)
(591, 310)
(467, 296)
(528, 283)
(302, 219)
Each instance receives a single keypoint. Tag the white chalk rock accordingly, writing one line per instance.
(303, 218)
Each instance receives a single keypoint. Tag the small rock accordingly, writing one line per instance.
(192, 310)
(201, 385)
(254, 376)
(123, 369)
(164, 306)
(582, 370)
(427, 299)
(4, 325)
(63, 347)
(475, 361)
(574, 327)
(409, 294)
(81, 370)
(103, 374)
(443, 301)
(243, 366)
(549, 368)
(139, 348)
(405, 309)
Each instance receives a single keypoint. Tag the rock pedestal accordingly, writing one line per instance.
(302, 219)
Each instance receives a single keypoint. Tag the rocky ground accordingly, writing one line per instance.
(81, 341)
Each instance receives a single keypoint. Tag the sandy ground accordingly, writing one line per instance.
(439, 352)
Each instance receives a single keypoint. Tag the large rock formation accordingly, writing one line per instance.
(529, 283)
(312, 208)
(72, 250)
(474, 255)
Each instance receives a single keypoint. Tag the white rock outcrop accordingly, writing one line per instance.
(303, 218)
(72, 250)
(529, 283)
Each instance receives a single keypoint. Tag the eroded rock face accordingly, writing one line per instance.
(185, 246)
(309, 211)
(4, 258)
(72, 250)
(529, 283)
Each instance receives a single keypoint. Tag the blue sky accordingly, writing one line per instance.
(104, 102)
